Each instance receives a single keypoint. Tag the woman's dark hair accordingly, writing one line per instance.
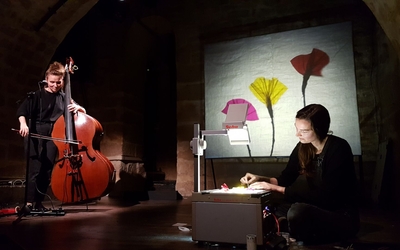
(320, 120)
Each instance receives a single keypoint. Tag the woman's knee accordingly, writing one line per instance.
(298, 211)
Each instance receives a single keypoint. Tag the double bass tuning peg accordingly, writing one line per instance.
(72, 69)
(70, 65)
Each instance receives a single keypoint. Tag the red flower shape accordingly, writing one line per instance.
(311, 64)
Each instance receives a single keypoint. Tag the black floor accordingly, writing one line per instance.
(155, 224)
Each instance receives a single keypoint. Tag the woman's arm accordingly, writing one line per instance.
(23, 127)
(285, 179)
(250, 178)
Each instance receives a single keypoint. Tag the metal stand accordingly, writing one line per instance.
(234, 127)
(25, 210)
(198, 145)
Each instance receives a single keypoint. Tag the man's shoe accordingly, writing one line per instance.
(40, 208)
(25, 210)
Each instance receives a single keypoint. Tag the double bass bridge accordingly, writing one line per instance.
(75, 161)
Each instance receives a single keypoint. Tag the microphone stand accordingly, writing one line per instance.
(25, 210)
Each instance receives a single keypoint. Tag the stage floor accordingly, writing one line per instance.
(154, 224)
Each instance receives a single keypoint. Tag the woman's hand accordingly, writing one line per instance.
(23, 130)
(74, 107)
(249, 179)
(267, 187)
(23, 127)
(262, 185)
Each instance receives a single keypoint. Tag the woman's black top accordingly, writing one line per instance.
(42, 107)
(334, 183)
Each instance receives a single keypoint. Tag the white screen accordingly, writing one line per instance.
(231, 67)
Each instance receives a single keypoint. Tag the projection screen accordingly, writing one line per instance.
(278, 74)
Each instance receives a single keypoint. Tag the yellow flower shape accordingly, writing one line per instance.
(268, 91)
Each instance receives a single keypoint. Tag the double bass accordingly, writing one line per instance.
(81, 173)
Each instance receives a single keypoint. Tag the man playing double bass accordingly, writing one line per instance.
(38, 113)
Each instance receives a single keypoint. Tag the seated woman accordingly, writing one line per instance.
(326, 209)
